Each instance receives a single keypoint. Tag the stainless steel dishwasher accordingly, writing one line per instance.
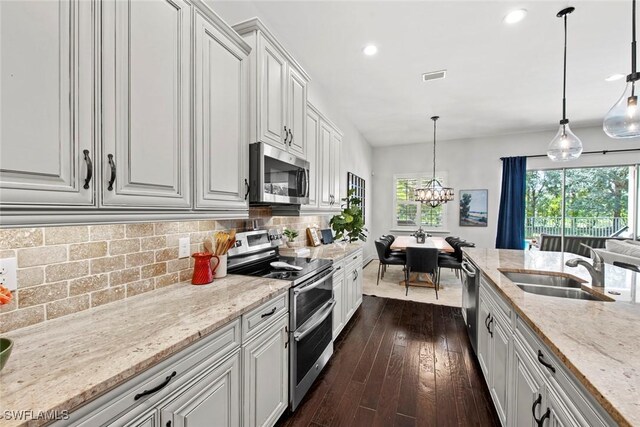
(470, 294)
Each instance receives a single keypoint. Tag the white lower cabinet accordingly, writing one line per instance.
(266, 375)
(347, 289)
(338, 291)
(528, 385)
(238, 375)
(212, 399)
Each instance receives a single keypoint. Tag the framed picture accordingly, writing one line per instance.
(312, 235)
(473, 208)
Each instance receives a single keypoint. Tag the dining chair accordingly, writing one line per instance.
(454, 262)
(422, 260)
(386, 258)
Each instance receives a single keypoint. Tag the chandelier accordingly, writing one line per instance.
(434, 193)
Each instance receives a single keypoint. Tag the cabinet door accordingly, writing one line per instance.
(148, 419)
(213, 399)
(266, 376)
(273, 75)
(220, 119)
(351, 283)
(325, 170)
(297, 113)
(46, 102)
(336, 147)
(484, 339)
(527, 389)
(559, 413)
(338, 309)
(358, 288)
(146, 103)
(500, 343)
(313, 133)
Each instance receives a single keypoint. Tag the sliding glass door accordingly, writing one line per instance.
(587, 202)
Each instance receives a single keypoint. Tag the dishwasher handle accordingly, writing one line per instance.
(467, 269)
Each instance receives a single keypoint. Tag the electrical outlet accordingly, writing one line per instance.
(8, 273)
(183, 247)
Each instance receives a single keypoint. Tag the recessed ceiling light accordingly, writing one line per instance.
(515, 16)
(370, 50)
(614, 77)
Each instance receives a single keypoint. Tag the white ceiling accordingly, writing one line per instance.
(500, 78)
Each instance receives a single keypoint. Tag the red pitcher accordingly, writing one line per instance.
(202, 271)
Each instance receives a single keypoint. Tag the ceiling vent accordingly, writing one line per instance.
(434, 75)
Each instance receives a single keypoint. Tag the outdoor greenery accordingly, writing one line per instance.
(596, 199)
(590, 192)
(408, 211)
(349, 224)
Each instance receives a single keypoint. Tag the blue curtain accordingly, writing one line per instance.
(512, 204)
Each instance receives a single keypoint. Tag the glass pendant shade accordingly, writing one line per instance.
(565, 146)
(623, 120)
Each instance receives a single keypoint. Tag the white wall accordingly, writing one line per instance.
(357, 154)
(475, 164)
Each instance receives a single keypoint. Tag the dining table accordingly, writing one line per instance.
(401, 243)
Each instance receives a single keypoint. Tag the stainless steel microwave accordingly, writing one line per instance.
(276, 176)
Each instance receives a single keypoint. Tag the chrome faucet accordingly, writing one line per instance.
(596, 270)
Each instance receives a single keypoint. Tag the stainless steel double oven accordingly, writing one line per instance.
(311, 303)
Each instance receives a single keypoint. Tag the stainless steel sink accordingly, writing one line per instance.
(554, 286)
(543, 280)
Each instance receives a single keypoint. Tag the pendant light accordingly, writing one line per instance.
(434, 193)
(565, 145)
(623, 120)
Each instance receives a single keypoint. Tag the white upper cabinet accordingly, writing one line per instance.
(278, 91)
(297, 113)
(334, 184)
(46, 103)
(146, 86)
(272, 95)
(220, 114)
(313, 133)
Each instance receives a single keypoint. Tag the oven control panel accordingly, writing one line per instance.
(256, 241)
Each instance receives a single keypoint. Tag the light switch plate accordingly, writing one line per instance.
(184, 244)
(8, 273)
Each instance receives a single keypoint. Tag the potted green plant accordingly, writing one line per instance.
(291, 235)
(349, 224)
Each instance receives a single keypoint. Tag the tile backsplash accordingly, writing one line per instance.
(63, 270)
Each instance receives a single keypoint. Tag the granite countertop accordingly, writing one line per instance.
(63, 363)
(598, 341)
(334, 251)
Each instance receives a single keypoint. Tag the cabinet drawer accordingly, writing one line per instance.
(496, 299)
(338, 268)
(562, 380)
(102, 411)
(354, 258)
(260, 318)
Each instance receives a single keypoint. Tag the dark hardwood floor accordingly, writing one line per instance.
(399, 363)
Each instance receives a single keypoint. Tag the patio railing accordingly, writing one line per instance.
(576, 226)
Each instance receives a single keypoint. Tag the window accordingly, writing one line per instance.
(409, 214)
(594, 202)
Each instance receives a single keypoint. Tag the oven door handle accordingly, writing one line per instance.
(326, 312)
(303, 289)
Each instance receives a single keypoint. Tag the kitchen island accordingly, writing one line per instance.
(597, 341)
